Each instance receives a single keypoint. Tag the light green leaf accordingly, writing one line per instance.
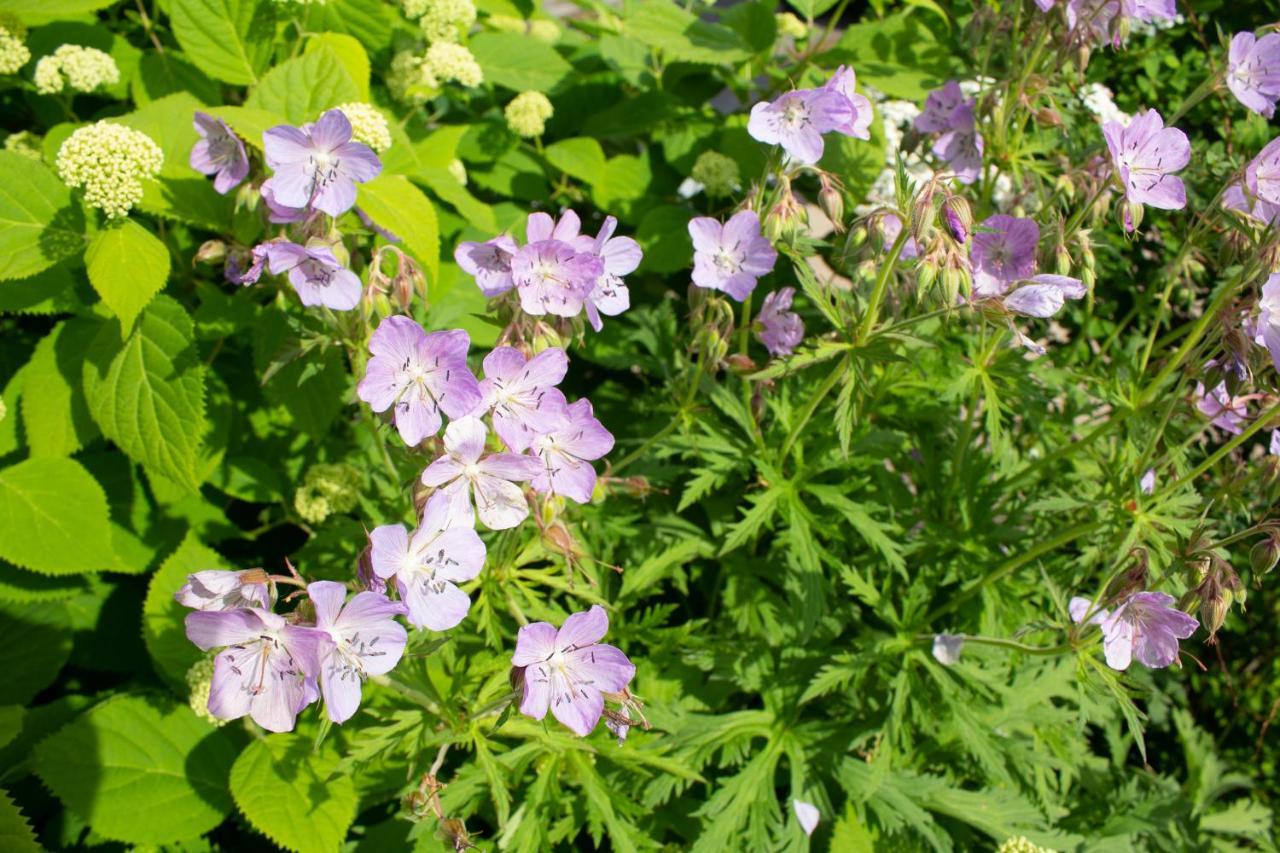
(142, 769)
(284, 789)
(39, 224)
(53, 517)
(581, 157)
(15, 832)
(350, 53)
(248, 123)
(33, 13)
(399, 207)
(519, 63)
(147, 395)
(163, 626)
(230, 40)
(54, 413)
(682, 36)
(301, 89)
(128, 266)
(898, 55)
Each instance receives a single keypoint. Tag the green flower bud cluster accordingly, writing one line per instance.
(448, 62)
(1020, 844)
(718, 174)
(199, 682)
(446, 20)
(109, 162)
(409, 80)
(13, 50)
(327, 489)
(82, 69)
(26, 143)
(367, 125)
(527, 114)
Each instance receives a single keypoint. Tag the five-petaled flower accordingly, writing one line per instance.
(521, 394)
(363, 639)
(1145, 155)
(565, 453)
(781, 329)
(464, 470)
(317, 165)
(420, 374)
(948, 112)
(1253, 71)
(218, 152)
(1146, 625)
(569, 670)
(316, 274)
(619, 256)
(798, 119)
(730, 257)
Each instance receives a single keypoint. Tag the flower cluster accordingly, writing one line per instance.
(26, 143)
(948, 113)
(527, 114)
(445, 62)
(110, 162)
(81, 69)
(444, 20)
(13, 49)
(559, 271)
(798, 119)
(327, 489)
(368, 125)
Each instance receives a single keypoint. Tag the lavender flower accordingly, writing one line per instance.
(428, 566)
(1148, 482)
(267, 668)
(318, 165)
(279, 213)
(218, 152)
(1225, 411)
(947, 648)
(1044, 295)
(807, 815)
(216, 589)
(939, 108)
(1253, 71)
(1145, 155)
(489, 263)
(566, 452)
(233, 272)
(1109, 20)
(797, 120)
(363, 639)
(315, 273)
(569, 670)
(552, 276)
(1003, 253)
(1274, 448)
(781, 329)
(420, 374)
(522, 395)
(730, 257)
(1147, 626)
(1266, 330)
(844, 82)
(1240, 198)
(619, 256)
(1262, 175)
(461, 471)
(946, 111)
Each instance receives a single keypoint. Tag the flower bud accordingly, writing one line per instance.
(1130, 215)
(211, 252)
(1264, 555)
(741, 364)
(366, 576)
(1061, 260)
(1048, 117)
(926, 274)
(959, 218)
(857, 236)
(923, 216)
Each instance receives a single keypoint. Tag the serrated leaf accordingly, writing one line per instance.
(396, 205)
(36, 12)
(682, 36)
(350, 53)
(163, 626)
(763, 507)
(53, 517)
(148, 394)
(15, 832)
(302, 88)
(23, 587)
(54, 413)
(128, 266)
(518, 62)
(284, 790)
(230, 40)
(39, 223)
(142, 769)
(581, 157)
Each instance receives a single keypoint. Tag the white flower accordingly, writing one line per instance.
(367, 125)
(454, 62)
(82, 69)
(110, 162)
(527, 114)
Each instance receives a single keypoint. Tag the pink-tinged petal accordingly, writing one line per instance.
(210, 629)
(328, 597)
(804, 144)
(452, 504)
(578, 711)
(228, 700)
(503, 363)
(568, 477)
(342, 689)
(603, 666)
(464, 439)
(621, 256)
(416, 420)
(306, 646)
(283, 256)
(368, 610)
(538, 227)
(807, 814)
(334, 198)
(537, 692)
(343, 291)
(583, 629)
(397, 338)
(1079, 607)
(739, 285)
(437, 607)
(705, 232)
(1072, 288)
(200, 159)
(500, 504)
(568, 227)
(1113, 133)
(444, 470)
(610, 297)
(276, 708)
(388, 545)
(382, 384)
(828, 111)
(535, 643)
(284, 146)
(764, 125)
(545, 369)
(742, 229)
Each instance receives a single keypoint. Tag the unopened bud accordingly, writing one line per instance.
(857, 236)
(1264, 555)
(959, 218)
(740, 363)
(1130, 215)
(638, 487)
(558, 538)
(1062, 260)
(926, 275)
(249, 576)
(831, 201)
(923, 217)
(545, 337)
(211, 252)
(1214, 610)
(1047, 117)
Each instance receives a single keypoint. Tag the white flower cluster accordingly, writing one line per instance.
(527, 114)
(367, 125)
(410, 81)
(1099, 100)
(13, 50)
(540, 28)
(82, 69)
(26, 143)
(110, 162)
(453, 62)
(447, 20)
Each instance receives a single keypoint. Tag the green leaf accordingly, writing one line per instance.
(399, 207)
(580, 157)
(350, 53)
(301, 89)
(284, 789)
(681, 35)
(898, 55)
(248, 123)
(23, 587)
(148, 394)
(53, 517)
(15, 832)
(52, 291)
(518, 62)
(128, 266)
(33, 13)
(142, 769)
(168, 73)
(35, 643)
(39, 224)
(54, 413)
(163, 619)
(763, 506)
(811, 9)
(230, 40)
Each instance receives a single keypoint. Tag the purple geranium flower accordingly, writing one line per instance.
(946, 111)
(522, 395)
(315, 273)
(1101, 20)
(276, 212)
(730, 257)
(890, 228)
(566, 452)
(1145, 155)
(363, 639)
(1239, 198)
(421, 374)
(619, 256)
(797, 120)
(499, 502)
(1044, 295)
(267, 668)
(428, 566)
(1148, 482)
(1004, 252)
(318, 165)
(552, 276)
(844, 82)
(1146, 626)
(939, 110)
(489, 263)
(218, 152)
(1225, 411)
(233, 273)
(1262, 175)
(1253, 71)
(569, 670)
(781, 329)
(217, 589)
(1266, 330)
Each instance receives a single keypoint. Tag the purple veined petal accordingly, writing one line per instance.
(587, 438)
(567, 476)
(328, 598)
(500, 503)
(538, 227)
(567, 228)
(335, 197)
(453, 504)
(228, 700)
(504, 363)
(621, 256)
(705, 233)
(610, 297)
(739, 285)
(359, 161)
(276, 709)
(454, 554)
(579, 710)
(1072, 288)
(437, 606)
(1147, 484)
(583, 629)
(742, 229)
(416, 419)
(276, 212)
(1262, 176)
(488, 263)
(605, 667)
(537, 690)
(1274, 448)
(388, 546)
(1113, 133)
(1035, 300)
(1079, 607)
(535, 643)
(464, 439)
(516, 467)
(939, 106)
(331, 131)
(305, 645)
(209, 629)
(829, 110)
(283, 256)
(342, 689)
(283, 145)
(441, 471)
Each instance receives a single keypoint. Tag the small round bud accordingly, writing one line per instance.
(1061, 260)
(831, 200)
(211, 253)
(1264, 555)
(368, 125)
(527, 114)
(959, 218)
(718, 174)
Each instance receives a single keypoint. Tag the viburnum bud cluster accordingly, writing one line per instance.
(109, 162)
(81, 69)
